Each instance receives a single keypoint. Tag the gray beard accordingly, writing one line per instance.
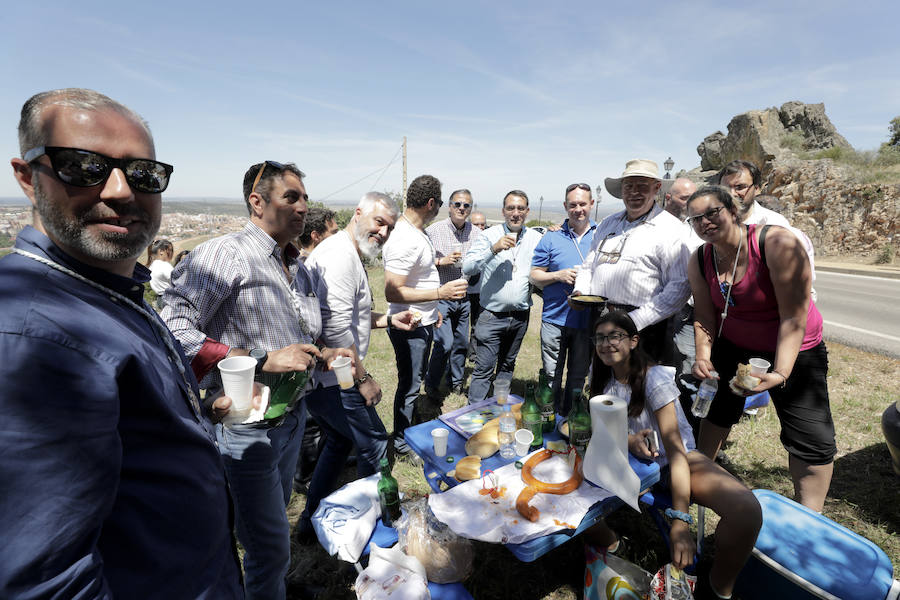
(368, 248)
(103, 246)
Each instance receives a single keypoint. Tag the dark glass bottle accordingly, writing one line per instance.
(285, 393)
(388, 495)
(531, 416)
(579, 423)
(545, 401)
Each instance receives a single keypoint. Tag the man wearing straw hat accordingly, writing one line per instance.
(638, 258)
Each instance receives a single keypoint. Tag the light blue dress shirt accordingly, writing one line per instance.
(504, 276)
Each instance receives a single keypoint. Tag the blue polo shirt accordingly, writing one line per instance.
(559, 250)
(112, 483)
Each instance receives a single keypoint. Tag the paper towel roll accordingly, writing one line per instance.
(606, 458)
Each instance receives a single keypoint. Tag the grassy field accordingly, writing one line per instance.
(863, 494)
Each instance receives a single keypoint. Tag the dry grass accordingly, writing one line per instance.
(863, 495)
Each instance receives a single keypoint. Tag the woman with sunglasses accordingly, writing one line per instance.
(622, 368)
(751, 289)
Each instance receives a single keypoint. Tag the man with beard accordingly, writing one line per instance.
(112, 483)
(502, 254)
(244, 293)
(348, 416)
(638, 258)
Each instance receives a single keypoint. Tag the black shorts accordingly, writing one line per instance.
(807, 429)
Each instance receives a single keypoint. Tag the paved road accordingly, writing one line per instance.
(860, 311)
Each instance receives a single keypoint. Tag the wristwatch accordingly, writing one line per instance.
(261, 356)
(362, 379)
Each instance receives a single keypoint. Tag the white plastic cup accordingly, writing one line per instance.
(341, 368)
(456, 247)
(759, 366)
(439, 437)
(501, 390)
(524, 438)
(237, 380)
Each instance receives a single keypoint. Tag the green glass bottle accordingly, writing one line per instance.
(531, 416)
(579, 423)
(285, 393)
(388, 495)
(545, 401)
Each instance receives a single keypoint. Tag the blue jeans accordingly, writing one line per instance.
(450, 341)
(411, 349)
(346, 421)
(561, 345)
(260, 462)
(497, 342)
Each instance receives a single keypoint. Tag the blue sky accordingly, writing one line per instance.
(491, 96)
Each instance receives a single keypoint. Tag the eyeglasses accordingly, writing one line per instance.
(84, 168)
(578, 186)
(709, 215)
(610, 257)
(612, 339)
(462, 205)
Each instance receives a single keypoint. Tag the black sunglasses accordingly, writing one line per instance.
(84, 168)
(458, 204)
(578, 186)
(709, 215)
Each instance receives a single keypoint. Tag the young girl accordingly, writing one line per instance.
(159, 259)
(621, 368)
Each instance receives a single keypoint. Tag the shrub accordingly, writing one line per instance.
(885, 256)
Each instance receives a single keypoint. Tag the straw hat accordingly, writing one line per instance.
(639, 167)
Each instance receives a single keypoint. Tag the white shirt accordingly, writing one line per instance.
(762, 216)
(160, 276)
(659, 390)
(651, 271)
(347, 309)
(409, 252)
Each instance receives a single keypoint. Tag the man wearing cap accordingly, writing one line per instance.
(412, 282)
(557, 258)
(452, 238)
(112, 483)
(638, 258)
(503, 257)
(248, 293)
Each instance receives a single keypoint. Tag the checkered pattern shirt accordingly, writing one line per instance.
(444, 235)
(233, 289)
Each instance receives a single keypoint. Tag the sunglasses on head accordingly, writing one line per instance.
(458, 204)
(85, 168)
(274, 165)
(578, 186)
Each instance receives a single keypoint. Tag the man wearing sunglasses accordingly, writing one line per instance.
(638, 258)
(412, 282)
(247, 293)
(502, 254)
(451, 237)
(112, 483)
(564, 332)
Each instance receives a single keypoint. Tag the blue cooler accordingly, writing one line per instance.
(801, 555)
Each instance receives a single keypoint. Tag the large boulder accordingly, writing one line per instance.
(809, 120)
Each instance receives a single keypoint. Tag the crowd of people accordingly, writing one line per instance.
(119, 473)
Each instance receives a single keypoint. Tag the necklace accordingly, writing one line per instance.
(161, 330)
(724, 286)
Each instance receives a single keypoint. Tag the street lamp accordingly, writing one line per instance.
(540, 208)
(597, 201)
(667, 165)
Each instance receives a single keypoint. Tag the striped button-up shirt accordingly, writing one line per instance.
(641, 263)
(234, 290)
(445, 237)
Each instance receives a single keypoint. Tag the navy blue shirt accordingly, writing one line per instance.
(112, 483)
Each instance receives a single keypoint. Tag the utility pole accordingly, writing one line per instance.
(403, 198)
(540, 209)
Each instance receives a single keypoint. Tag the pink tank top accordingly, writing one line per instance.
(753, 320)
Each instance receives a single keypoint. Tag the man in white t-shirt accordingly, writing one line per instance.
(412, 282)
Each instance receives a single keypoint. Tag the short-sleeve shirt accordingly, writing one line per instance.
(556, 251)
(659, 389)
(409, 252)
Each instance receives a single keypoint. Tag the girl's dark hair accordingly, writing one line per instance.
(180, 256)
(157, 246)
(638, 363)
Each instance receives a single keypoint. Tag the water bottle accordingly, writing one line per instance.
(706, 393)
(507, 433)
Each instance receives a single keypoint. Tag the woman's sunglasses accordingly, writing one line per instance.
(84, 168)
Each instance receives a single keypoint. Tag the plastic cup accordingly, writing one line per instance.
(501, 390)
(456, 247)
(237, 380)
(341, 368)
(523, 441)
(759, 366)
(439, 437)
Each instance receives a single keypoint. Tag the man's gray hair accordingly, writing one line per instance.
(368, 202)
(31, 131)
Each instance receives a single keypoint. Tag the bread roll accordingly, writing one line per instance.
(468, 468)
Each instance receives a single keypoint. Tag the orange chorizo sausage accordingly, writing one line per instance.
(533, 486)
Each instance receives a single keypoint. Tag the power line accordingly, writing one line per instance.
(361, 179)
(386, 168)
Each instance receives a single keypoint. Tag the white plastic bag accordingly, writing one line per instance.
(392, 574)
